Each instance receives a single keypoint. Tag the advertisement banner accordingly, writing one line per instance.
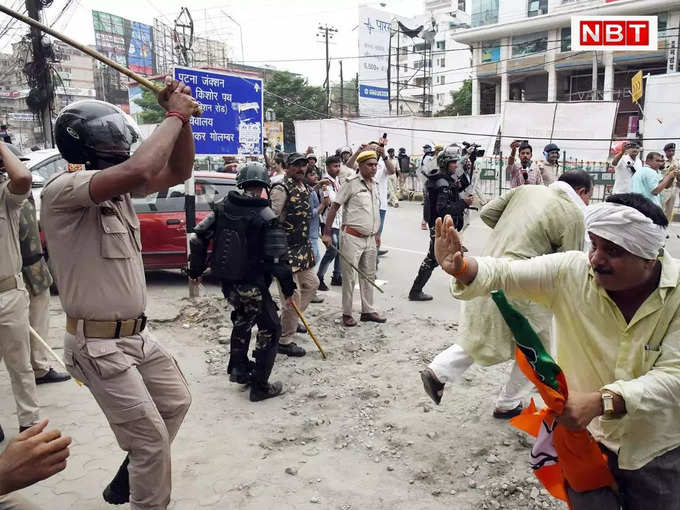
(231, 123)
(127, 42)
(374, 45)
(273, 130)
(140, 53)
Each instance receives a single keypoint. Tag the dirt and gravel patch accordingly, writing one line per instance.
(362, 413)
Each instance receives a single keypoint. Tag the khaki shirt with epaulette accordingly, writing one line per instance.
(95, 250)
(360, 203)
(10, 206)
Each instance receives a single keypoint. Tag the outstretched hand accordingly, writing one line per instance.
(448, 249)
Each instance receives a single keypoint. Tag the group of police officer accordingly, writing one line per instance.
(25, 281)
(451, 187)
(93, 236)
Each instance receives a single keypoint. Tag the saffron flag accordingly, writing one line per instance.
(559, 456)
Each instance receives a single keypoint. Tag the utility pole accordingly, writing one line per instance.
(327, 32)
(240, 29)
(41, 95)
(342, 93)
(424, 75)
(398, 64)
(594, 78)
(183, 34)
(356, 91)
(389, 73)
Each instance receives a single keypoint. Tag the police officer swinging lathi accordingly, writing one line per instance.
(249, 248)
(93, 238)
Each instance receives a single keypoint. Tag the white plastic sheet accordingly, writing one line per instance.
(591, 122)
(326, 135)
(662, 111)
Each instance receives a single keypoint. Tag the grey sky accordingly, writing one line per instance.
(272, 29)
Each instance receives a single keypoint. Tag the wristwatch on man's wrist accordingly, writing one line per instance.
(608, 404)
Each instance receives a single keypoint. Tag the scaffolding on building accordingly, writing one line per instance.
(401, 77)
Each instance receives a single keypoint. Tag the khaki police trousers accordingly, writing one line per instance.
(668, 198)
(16, 502)
(307, 284)
(363, 253)
(15, 350)
(144, 395)
(39, 318)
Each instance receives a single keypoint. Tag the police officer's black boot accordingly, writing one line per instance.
(260, 387)
(416, 293)
(118, 491)
(239, 366)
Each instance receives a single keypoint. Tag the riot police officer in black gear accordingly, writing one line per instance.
(442, 197)
(249, 248)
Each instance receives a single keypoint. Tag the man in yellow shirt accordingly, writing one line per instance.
(617, 328)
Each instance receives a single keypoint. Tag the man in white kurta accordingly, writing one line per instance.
(528, 221)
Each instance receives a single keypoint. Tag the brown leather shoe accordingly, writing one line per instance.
(372, 317)
(349, 321)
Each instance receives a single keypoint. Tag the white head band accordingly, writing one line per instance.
(626, 227)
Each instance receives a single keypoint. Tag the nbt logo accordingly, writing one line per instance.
(614, 33)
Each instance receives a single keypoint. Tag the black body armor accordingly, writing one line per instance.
(441, 198)
(248, 244)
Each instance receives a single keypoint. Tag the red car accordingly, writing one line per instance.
(163, 221)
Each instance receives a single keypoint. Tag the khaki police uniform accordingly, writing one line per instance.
(360, 203)
(38, 280)
(345, 174)
(549, 173)
(14, 335)
(95, 251)
(669, 195)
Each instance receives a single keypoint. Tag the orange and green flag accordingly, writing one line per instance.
(560, 456)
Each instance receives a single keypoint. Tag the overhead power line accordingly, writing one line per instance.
(322, 115)
(435, 52)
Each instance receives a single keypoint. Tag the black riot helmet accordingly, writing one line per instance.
(253, 173)
(451, 153)
(96, 134)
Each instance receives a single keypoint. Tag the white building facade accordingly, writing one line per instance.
(521, 51)
(426, 73)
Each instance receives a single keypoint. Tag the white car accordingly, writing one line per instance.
(43, 164)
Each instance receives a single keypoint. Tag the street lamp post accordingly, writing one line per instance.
(240, 29)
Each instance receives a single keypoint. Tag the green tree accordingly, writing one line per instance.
(349, 98)
(461, 102)
(152, 112)
(292, 98)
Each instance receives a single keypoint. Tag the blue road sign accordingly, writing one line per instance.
(231, 123)
(373, 92)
